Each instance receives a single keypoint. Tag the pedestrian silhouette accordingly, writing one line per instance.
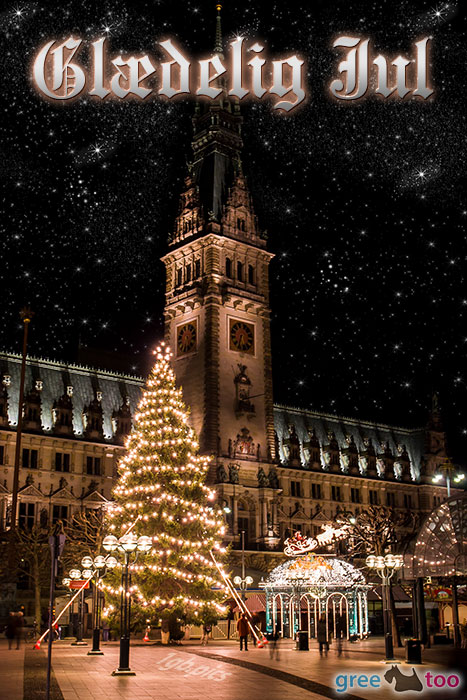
(273, 645)
(321, 633)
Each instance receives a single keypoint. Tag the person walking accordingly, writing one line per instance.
(205, 635)
(19, 622)
(273, 645)
(340, 631)
(10, 629)
(322, 636)
(242, 628)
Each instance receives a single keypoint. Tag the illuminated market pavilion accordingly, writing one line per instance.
(300, 590)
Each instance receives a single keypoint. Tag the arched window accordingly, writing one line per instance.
(241, 224)
(228, 267)
(251, 274)
(240, 271)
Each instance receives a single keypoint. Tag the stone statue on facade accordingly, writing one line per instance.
(221, 474)
(233, 473)
(263, 481)
(273, 479)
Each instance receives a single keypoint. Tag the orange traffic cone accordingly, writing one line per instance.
(37, 645)
(146, 636)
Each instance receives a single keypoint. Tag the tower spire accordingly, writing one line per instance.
(218, 44)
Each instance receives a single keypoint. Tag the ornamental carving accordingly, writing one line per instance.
(243, 445)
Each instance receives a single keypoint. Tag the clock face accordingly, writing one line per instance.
(242, 336)
(186, 338)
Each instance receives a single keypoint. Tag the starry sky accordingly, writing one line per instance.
(365, 204)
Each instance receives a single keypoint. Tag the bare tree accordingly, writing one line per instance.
(33, 561)
(378, 530)
(85, 532)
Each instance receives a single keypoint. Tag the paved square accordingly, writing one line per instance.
(216, 672)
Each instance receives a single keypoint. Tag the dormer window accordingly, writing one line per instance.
(32, 414)
(62, 414)
(241, 224)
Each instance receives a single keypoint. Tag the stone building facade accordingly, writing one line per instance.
(74, 423)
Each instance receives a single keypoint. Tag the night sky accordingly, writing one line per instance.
(365, 204)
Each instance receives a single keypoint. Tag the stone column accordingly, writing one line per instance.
(235, 515)
(264, 525)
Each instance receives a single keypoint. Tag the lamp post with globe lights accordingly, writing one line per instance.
(127, 544)
(77, 575)
(243, 583)
(100, 565)
(66, 582)
(448, 471)
(386, 567)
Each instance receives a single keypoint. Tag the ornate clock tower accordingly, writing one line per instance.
(217, 295)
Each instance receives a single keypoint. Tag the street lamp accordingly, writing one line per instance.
(448, 471)
(100, 565)
(243, 583)
(127, 544)
(78, 575)
(385, 567)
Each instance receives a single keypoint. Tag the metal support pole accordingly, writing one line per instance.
(455, 616)
(415, 612)
(53, 569)
(79, 636)
(26, 315)
(96, 632)
(388, 642)
(56, 543)
(422, 632)
(124, 660)
(243, 563)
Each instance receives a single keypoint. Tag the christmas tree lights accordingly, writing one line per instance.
(161, 492)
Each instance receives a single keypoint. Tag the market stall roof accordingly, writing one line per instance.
(255, 603)
(314, 571)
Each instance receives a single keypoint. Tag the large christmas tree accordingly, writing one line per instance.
(161, 493)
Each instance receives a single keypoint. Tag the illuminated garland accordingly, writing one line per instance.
(159, 601)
